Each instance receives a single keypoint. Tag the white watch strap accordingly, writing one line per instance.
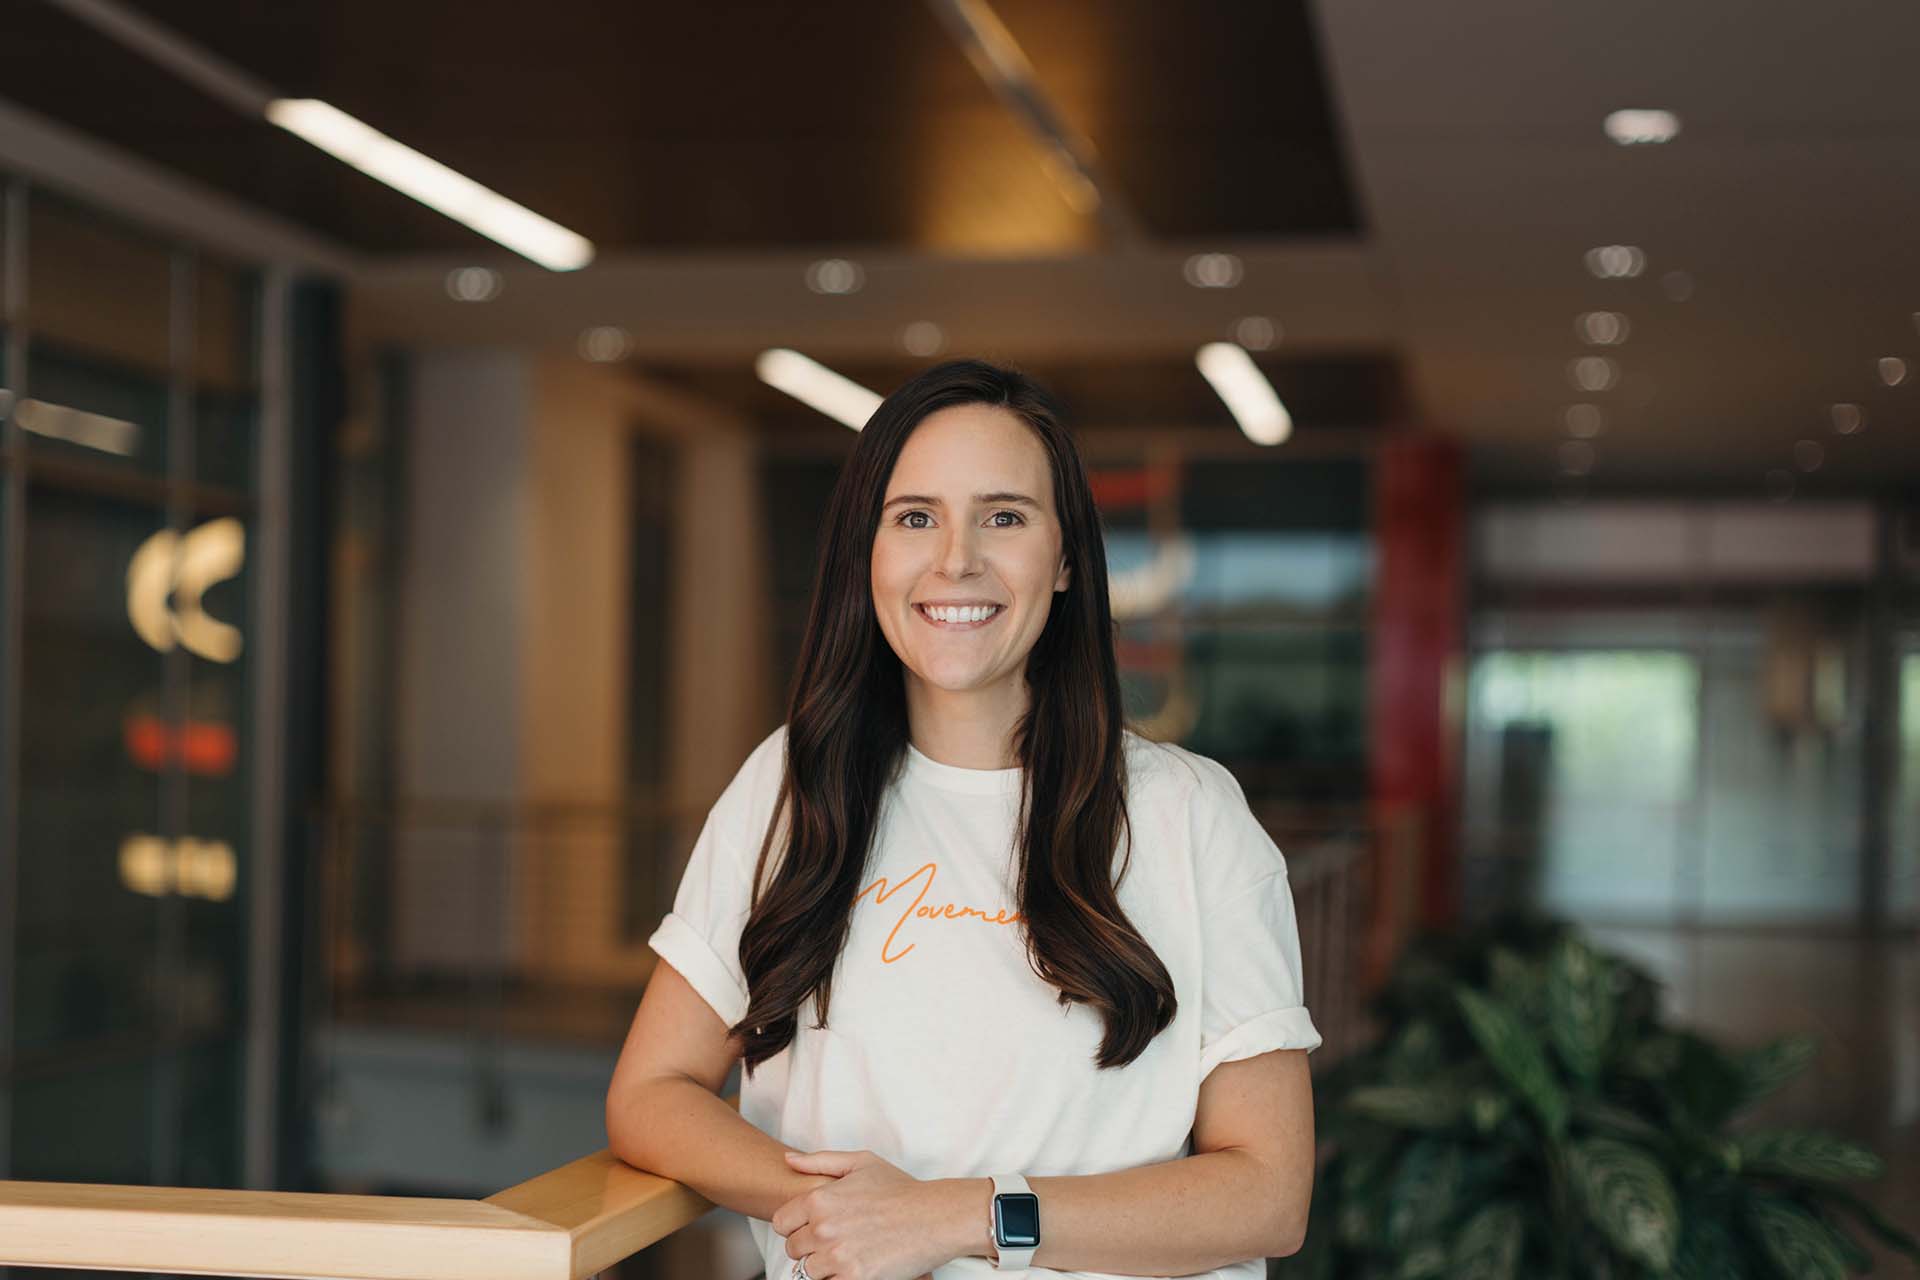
(1010, 1259)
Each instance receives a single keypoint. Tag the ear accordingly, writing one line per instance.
(1066, 572)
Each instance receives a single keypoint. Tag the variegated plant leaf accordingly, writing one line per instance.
(1426, 1191)
(1517, 1054)
(1798, 1243)
(1800, 1153)
(1580, 1006)
(1628, 1196)
(1488, 1246)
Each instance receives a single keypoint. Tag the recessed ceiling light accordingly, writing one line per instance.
(1641, 126)
(815, 385)
(1847, 418)
(1893, 370)
(1249, 397)
(1808, 455)
(473, 284)
(1213, 271)
(835, 275)
(1584, 420)
(1601, 328)
(923, 338)
(1593, 373)
(1256, 333)
(605, 343)
(1616, 261)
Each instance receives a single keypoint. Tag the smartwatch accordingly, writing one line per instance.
(1016, 1222)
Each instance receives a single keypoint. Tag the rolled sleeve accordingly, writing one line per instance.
(1253, 991)
(717, 980)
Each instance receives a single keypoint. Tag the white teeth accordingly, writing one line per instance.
(968, 613)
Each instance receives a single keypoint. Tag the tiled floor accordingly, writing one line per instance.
(1860, 997)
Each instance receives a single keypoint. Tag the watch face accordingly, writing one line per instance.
(1016, 1220)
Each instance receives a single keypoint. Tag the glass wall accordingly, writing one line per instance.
(1660, 765)
(1903, 870)
(135, 401)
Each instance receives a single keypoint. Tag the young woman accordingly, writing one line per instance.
(977, 1032)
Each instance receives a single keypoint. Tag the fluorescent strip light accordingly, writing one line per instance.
(431, 183)
(75, 426)
(1249, 397)
(817, 386)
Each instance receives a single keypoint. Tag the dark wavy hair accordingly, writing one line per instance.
(847, 739)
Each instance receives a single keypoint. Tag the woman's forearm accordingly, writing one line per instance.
(680, 1130)
(1192, 1214)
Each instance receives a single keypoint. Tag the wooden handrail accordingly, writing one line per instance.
(563, 1225)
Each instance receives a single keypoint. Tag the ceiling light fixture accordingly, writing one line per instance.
(605, 344)
(431, 183)
(1616, 261)
(473, 284)
(1256, 333)
(1602, 328)
(835, 275)
(1213, 271)
(923, 338)
(340, 135)
(1893, 370)
(1593, 373)
(1639, 126)
(816, 386)
(1584, 420)
(1249, 397)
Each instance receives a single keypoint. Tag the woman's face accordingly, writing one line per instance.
(968, 520)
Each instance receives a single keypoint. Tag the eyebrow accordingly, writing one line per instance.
(927, 499)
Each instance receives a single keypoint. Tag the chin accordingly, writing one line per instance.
(954, 681)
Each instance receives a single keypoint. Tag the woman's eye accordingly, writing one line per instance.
(1017, 520)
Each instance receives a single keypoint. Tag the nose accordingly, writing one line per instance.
(959, 554)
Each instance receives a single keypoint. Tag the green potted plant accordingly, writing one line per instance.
(1526, 1113)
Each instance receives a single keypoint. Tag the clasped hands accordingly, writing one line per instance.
(874, 1221)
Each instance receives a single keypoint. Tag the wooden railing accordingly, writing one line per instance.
(564, 1225)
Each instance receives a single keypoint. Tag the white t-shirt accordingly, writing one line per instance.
(945, 1054)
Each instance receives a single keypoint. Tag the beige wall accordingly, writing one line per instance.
(575, 622)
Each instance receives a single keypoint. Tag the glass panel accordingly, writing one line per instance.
(85, 1120)
(1903, 871)
(226, 399)
(93, 742)
(212, 856)
(1580, 779)
(213, 1079)
(99, 297)
(1785, 764)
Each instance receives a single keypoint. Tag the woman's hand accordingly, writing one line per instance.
(873, 1222)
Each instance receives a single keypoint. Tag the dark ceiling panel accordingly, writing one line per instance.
(1214, 119)
(728, 124)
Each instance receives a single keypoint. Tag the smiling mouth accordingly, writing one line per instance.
(959, 626)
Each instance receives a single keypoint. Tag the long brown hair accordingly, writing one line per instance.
(847, 738)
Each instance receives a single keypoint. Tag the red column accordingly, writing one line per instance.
(1419, 603)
